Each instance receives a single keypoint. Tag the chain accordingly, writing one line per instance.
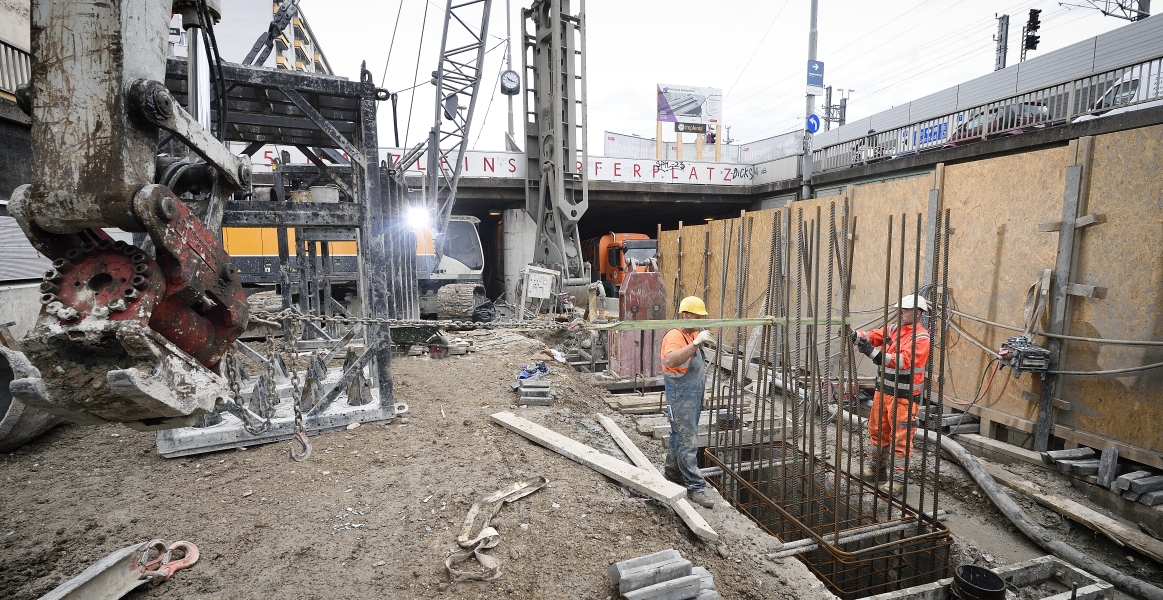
(272, 392)
(232, 377)
(296, 387)
(447, 325)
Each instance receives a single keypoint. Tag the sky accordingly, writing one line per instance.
(887, 53)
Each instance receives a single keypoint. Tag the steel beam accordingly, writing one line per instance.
(292, 214)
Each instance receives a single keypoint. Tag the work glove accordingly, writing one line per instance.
(703, 337)
(864, 346)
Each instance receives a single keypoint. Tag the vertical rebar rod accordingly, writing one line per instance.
(797, 432)
(944, 331)
(724, 264)
(912, 361)
(935, 343)
(678, 272)
(878, 406)
(813, 365)
(784, 332)
(894, 423)
(832, 255)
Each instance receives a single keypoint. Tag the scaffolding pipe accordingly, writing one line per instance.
(1014, 513)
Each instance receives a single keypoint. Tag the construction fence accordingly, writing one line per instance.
(1104, 283)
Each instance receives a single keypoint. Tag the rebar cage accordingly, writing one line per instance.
(785, 436)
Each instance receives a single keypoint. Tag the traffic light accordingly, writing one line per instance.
(1034, 23)
(1032, 26)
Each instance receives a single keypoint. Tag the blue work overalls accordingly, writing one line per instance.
(684, 402)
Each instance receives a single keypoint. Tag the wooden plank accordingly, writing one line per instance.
(1117, 532)
(633, 477)
(683, 507)
(997, 450)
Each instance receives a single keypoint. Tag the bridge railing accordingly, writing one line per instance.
(1058, 104)
(15, 68)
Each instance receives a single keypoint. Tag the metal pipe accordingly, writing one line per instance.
(198, 77)
(852, 535)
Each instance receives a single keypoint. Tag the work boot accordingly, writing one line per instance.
(701, 498)
(898, 486)
(673, 477)
(874, 470)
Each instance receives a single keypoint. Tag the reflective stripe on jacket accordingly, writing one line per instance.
(904, 358)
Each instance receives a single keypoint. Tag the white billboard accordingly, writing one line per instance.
(628, 146)
(690, 104)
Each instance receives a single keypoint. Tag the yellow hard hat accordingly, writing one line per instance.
(693, 305)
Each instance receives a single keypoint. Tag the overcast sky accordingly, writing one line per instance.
(888, 52)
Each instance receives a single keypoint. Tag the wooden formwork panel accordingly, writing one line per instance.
(1125, 256)
(872, 206)
(668, 263)
(995, 254)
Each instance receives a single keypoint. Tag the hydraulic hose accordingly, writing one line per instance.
(1035, 532)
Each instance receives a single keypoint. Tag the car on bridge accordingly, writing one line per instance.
(1135, 90)
(1008, 119)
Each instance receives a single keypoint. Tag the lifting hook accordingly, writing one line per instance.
(301, 437)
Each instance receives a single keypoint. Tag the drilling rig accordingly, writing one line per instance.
(556, 172)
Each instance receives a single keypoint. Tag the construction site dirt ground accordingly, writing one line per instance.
(375, 510)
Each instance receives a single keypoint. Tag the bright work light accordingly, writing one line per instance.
(417, 218)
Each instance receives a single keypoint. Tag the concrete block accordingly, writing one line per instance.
(706, 580)
(1080, 467)
(1108, 465)
(1074, 454)
(683, 588)
(1123, 482)
(1132, 496)
(1152, 498)
(615, 570)
(653, 573)
(707, 595)
(1147, 484)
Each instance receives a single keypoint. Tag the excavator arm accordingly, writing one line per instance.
(127, 333)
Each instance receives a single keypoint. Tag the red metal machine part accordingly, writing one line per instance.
(119, 332)
(634, 353)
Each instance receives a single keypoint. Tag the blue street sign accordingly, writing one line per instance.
(813, 123)
(815, 73)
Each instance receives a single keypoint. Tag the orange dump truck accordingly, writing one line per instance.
(615, 254)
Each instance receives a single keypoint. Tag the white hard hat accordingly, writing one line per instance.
(913, 301)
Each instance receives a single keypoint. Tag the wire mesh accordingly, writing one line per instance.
(800, 472)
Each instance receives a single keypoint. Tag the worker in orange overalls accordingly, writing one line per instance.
(903, 354)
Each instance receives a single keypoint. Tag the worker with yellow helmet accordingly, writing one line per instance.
(684, 377)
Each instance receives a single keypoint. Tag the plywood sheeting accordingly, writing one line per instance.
(1124, 255)
(995, 254)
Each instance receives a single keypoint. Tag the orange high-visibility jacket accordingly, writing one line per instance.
(904, 359)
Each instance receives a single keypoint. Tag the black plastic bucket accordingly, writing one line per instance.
(971, 582)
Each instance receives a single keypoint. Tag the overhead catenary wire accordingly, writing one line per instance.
(972, 30)
(757, 47)
(496, 84)
(392, 44)
(416, 75)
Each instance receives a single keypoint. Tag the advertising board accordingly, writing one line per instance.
(690, 104)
